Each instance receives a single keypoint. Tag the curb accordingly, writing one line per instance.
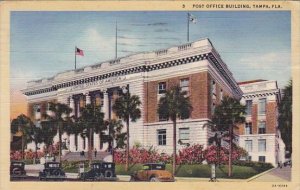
(258, 175)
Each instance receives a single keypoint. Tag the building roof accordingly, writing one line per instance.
(251, 81)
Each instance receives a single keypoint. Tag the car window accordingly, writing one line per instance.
(146, 167)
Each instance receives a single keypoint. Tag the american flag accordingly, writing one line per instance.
(79, 52)
(192, 18)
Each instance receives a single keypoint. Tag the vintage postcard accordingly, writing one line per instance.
(119, 94)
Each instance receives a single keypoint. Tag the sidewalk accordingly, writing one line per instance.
(274, 175)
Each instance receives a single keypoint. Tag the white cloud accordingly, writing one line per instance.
(270, 60)
(270, 66)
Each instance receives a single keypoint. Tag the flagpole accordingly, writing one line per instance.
(75, 56)
(116, 53)
(188, 27)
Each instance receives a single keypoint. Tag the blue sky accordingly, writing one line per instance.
(254, 45)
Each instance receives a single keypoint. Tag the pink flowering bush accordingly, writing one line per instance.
(140, 155)
(15, 155)
(214, 154)
(191, 155)
(28, 155)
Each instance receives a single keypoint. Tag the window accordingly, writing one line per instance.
(248, 145)
(162, 136)
(36, 108)
(248, 128)
(248, 107)
(262, 127)
(163, 117)
(184, 133)
(261, 145)
(184, 85)
(262, 106)
(249, 158)
(214, 88)
(262, 159)
(221, 95)
(213, 107)
(162, 87)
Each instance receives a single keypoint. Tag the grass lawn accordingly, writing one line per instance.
(196, 170)
(204, 171)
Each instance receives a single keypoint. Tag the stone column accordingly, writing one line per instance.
(72, 106)
(105, 105)
(80, 143)
(87, 98)
(86, 144)
(78, 107)
(96, 141)
(72, 146)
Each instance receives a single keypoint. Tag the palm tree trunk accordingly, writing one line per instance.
(174, 146)
(22, 147)
(36, 147)
(90, 145)
(127, 145)
(59, 145)
(230, 152)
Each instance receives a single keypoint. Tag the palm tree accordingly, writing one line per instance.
(226, 117)
(36, 137)
(115, 134)
(173, 105)
(47, 133)
(91, 120)
(126, 108)
(22, 124)
(59, 120)
(285, 116)
(75, 129)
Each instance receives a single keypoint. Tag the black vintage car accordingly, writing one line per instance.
(17, 169)
(52, 171)
(101, 171)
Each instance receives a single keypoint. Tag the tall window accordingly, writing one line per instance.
(221, 95)
(162, 136)
(262, 145)
(214, 88)
(262, 127)
(262, 159)
(248, 128)
(248, 145)
(262, 106)
(184, 133)
(248, 107)
(36, 108)
(162, 86)
(184, 85)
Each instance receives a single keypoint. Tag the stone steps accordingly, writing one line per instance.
(76, 156)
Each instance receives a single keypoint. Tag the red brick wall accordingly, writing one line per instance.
(271, 117)
(254, 118)
(199, 91)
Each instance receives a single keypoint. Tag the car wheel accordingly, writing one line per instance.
(97, 177)
(17, 171)
(131, 179)
(153, 179)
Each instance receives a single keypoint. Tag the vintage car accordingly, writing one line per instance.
(52, 171)
(100, 171)
(17, 169)
(153, 172)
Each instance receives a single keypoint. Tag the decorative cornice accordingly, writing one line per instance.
(132, 70)
(262, 94)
